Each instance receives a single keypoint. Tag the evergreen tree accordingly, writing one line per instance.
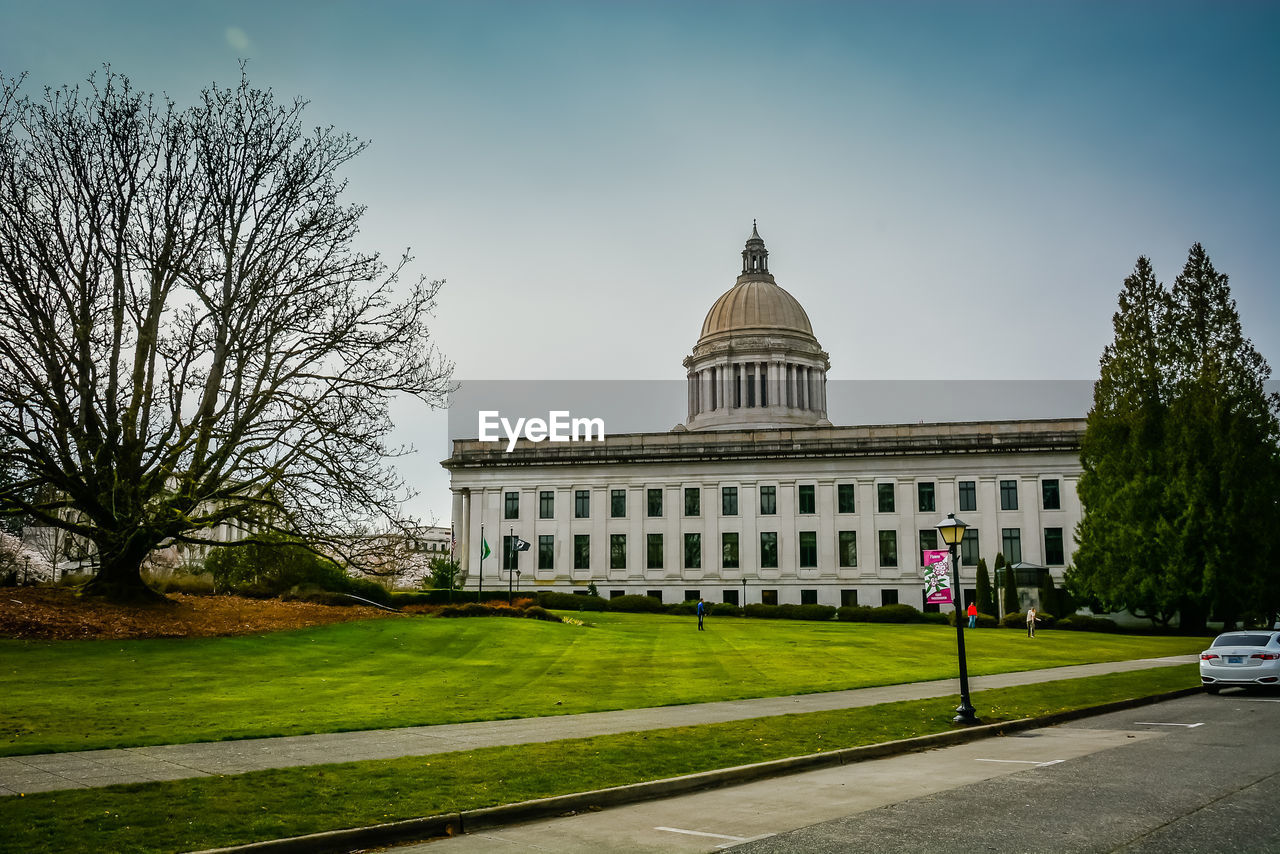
(1011, 603)
(1180, 461)
(986, 602)
(1048, 596)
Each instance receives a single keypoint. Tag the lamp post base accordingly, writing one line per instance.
(965, 714)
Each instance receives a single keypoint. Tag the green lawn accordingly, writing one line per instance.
(214, 811)
(74, 695)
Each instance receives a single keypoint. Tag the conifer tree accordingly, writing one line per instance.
(986, 603)
(1011, 603)
(1180, 461)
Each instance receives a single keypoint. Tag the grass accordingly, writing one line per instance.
(420, 671)
(208, 812)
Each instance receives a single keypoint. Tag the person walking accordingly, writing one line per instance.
(1031, 622)
(973, 614)
(702, 610)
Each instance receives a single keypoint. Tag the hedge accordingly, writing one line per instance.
(1087, 623)
(1018, 620)
(636, 604)
(571, 601)
(985, 621)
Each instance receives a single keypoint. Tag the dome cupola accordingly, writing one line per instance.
(757, 363)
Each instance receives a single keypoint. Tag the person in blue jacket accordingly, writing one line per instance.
(702, 610)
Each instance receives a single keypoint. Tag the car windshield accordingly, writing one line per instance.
(1241, 640)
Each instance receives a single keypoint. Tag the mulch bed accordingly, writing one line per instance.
(58, 614)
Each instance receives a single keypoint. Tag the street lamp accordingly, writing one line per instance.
(952, 530)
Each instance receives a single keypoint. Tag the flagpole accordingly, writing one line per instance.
(510, 573)
(480, 574)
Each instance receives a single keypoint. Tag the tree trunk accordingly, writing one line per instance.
(119, 578)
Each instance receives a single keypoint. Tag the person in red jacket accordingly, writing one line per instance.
(973, 614)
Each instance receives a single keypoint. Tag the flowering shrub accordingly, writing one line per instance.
(19, 564)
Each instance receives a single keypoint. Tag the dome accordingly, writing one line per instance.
(757, 364)
(756, 305)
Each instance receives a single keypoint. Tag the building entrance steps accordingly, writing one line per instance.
(91, 768)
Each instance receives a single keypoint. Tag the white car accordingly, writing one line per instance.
(1241, 659)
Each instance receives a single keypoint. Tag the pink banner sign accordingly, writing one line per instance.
(937, 576)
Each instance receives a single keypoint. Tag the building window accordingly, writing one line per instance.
(654, 594)
(581, 551)
(617, 551)
(511, 509)
(844, 498)
(1053, 554)
(808, 502)
(888, 548)
(546, 504)
(692, 501)
(692, 551)
(1052, 498)
(1008, 495)
(969, 547)
(968, 495)
(510, 557)
(1012, 539)
(848, 598)
(730, 596)
(655, 502)
(769, 549)
(692, 595)
(889, 597)
(546, 551)
(729, 550)
(928, 539)
(847, 542)
(729, 501)
(884, 492)
(768, 597)
(808, 549)
(582, 504)
(808, 597)
(618, 503)
(768, 500)
(925, 493)
(654, 542)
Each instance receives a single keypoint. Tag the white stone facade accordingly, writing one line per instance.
(978, 458)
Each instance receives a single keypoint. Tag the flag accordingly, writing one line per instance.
(520, 545)
(484, 547)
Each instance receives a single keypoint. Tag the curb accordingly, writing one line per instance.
(467, 821)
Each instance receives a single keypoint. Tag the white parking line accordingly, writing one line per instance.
(701, 833)
(1257, 700)
(1165, 723)
(1024, 761)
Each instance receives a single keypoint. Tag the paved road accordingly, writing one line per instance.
(1198, 774)
(89, 768)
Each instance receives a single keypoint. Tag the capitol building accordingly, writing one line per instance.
(757, 496)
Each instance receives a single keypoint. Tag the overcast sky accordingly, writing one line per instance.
(584, 174)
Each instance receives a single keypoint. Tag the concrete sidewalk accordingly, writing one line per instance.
(90, 768)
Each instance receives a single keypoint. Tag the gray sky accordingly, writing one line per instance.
(584, 174)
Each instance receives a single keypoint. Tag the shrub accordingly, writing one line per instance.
(191, 585)
(635, 605)
(818, 613)
(936, 618)
(853, 614)
(985, 621)
(570, 601)
(725, 609)
(898, 613)
(1087, 623)
(761, 612)
(475, 609)
(1018, 620)
(683, 609)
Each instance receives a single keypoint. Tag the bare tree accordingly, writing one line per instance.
(188, 333)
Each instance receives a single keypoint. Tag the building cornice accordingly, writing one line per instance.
(977, 437)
